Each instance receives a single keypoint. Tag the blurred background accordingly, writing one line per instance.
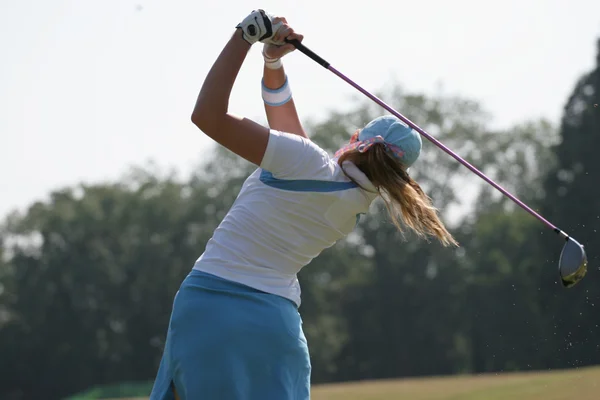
(109, 193)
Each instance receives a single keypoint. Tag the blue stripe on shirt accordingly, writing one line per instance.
(304, 185)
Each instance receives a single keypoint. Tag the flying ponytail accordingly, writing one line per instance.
(405, 201)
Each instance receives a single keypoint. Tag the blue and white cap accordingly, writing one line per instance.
(395, 132)
(401, 140)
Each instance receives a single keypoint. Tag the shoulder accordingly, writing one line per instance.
(289, 155)
(279, 139)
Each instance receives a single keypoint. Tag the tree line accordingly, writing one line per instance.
(87, 277)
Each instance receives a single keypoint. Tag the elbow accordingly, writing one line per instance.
(203, 118)
(206, 118)
(200, 114)
(197, 119)
(208, 124)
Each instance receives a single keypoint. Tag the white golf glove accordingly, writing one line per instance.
(258, 26)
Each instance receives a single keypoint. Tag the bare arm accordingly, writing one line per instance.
(240, 135)
(285, 117)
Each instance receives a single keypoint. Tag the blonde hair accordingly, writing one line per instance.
(404, 199)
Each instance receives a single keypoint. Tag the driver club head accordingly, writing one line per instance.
(572, 266)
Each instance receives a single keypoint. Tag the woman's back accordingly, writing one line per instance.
(235, 330)
(297, 204)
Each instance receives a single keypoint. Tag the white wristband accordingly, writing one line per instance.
(272, 63)
(276, 97)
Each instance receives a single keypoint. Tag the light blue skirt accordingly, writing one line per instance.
(227, 341)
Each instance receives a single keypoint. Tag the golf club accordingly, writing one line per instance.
(572, 265)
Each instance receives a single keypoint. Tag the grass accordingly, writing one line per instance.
(580, 384)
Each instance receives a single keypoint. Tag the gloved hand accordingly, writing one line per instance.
(258, 26)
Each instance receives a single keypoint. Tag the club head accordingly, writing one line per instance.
(572, 266)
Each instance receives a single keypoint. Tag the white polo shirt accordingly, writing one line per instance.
(297, 204)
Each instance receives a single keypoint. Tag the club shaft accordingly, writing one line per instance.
(302, 48)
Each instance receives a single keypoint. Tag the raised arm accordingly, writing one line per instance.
(279, 104)
(240, 135)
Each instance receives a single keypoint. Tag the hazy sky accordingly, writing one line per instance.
(89, 88)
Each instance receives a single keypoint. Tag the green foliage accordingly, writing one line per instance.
(87, 278)
(572, 193)
(94, 272)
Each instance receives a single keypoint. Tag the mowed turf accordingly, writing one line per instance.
(580, 384)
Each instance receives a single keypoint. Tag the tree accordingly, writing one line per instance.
(571, 202)
(87, 278)
(92, 276)
(420, 293)
(382, 281)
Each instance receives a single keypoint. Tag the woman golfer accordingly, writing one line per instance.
(235, 331)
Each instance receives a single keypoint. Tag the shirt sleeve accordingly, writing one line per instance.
(291, 156)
